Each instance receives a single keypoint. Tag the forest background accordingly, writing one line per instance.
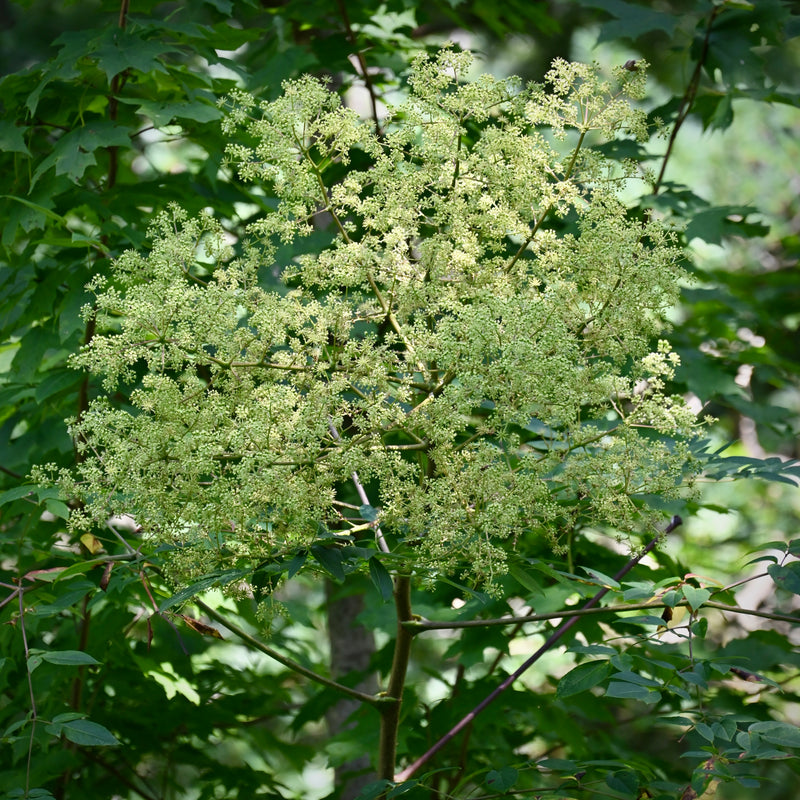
(114, 684)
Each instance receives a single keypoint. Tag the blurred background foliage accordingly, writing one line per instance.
(107, 113)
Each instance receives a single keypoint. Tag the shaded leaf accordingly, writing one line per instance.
(72, 658)
(330, 559)
(12, 139)
(632, 691)
(380, 578)
(774, 732)
(502, 779)
(84, 732)
(583, 677)
(624, 781)
(368, 513)
(786, 576)
(716, 224)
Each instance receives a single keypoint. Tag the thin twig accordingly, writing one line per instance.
(379, 538)
(688, 98)
(420, 626)
(362, 65)
(34, 715)
(288, 662)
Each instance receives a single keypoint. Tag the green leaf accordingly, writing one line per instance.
(56, 382)
(502, 779)
(38, 208)
(672, 597)
(368, 513)
(725, 729)
(12, 139)
(296, 564)
(635, 677)
(163, 113)
(73, 153)
(77, 569)
(402, 788)
(73, 658)
(601, 579)
(381, 578)
(786, 576)
(683, 721)
(632, 691)
(330, 559)
(215, 579)
(721, 222)
(640, 619)
(526, 580)
(84, 732)
(583, 677)
(695, 597)
(625, 781)
(705, 731)
(17, 493)
(558, 764)
(57, 508)
(120, 50)
(375, 790)
(780, 733)
(632, 20)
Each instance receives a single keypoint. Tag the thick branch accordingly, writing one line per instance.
(390, 713)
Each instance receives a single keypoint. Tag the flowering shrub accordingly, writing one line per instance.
(472, 341)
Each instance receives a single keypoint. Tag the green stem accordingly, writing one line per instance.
(33, 714)
(390, 713)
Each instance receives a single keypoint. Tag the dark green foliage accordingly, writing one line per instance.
(112, 684)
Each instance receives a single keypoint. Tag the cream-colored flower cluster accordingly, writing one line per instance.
(473, 338)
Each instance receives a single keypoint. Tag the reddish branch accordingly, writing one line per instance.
(551, 640)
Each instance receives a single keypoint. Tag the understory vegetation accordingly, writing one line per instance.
(377, 424)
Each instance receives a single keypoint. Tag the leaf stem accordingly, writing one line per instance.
(420, 626)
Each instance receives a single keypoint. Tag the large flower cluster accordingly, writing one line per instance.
(472, 338)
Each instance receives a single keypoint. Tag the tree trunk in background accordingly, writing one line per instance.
(352, 647)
